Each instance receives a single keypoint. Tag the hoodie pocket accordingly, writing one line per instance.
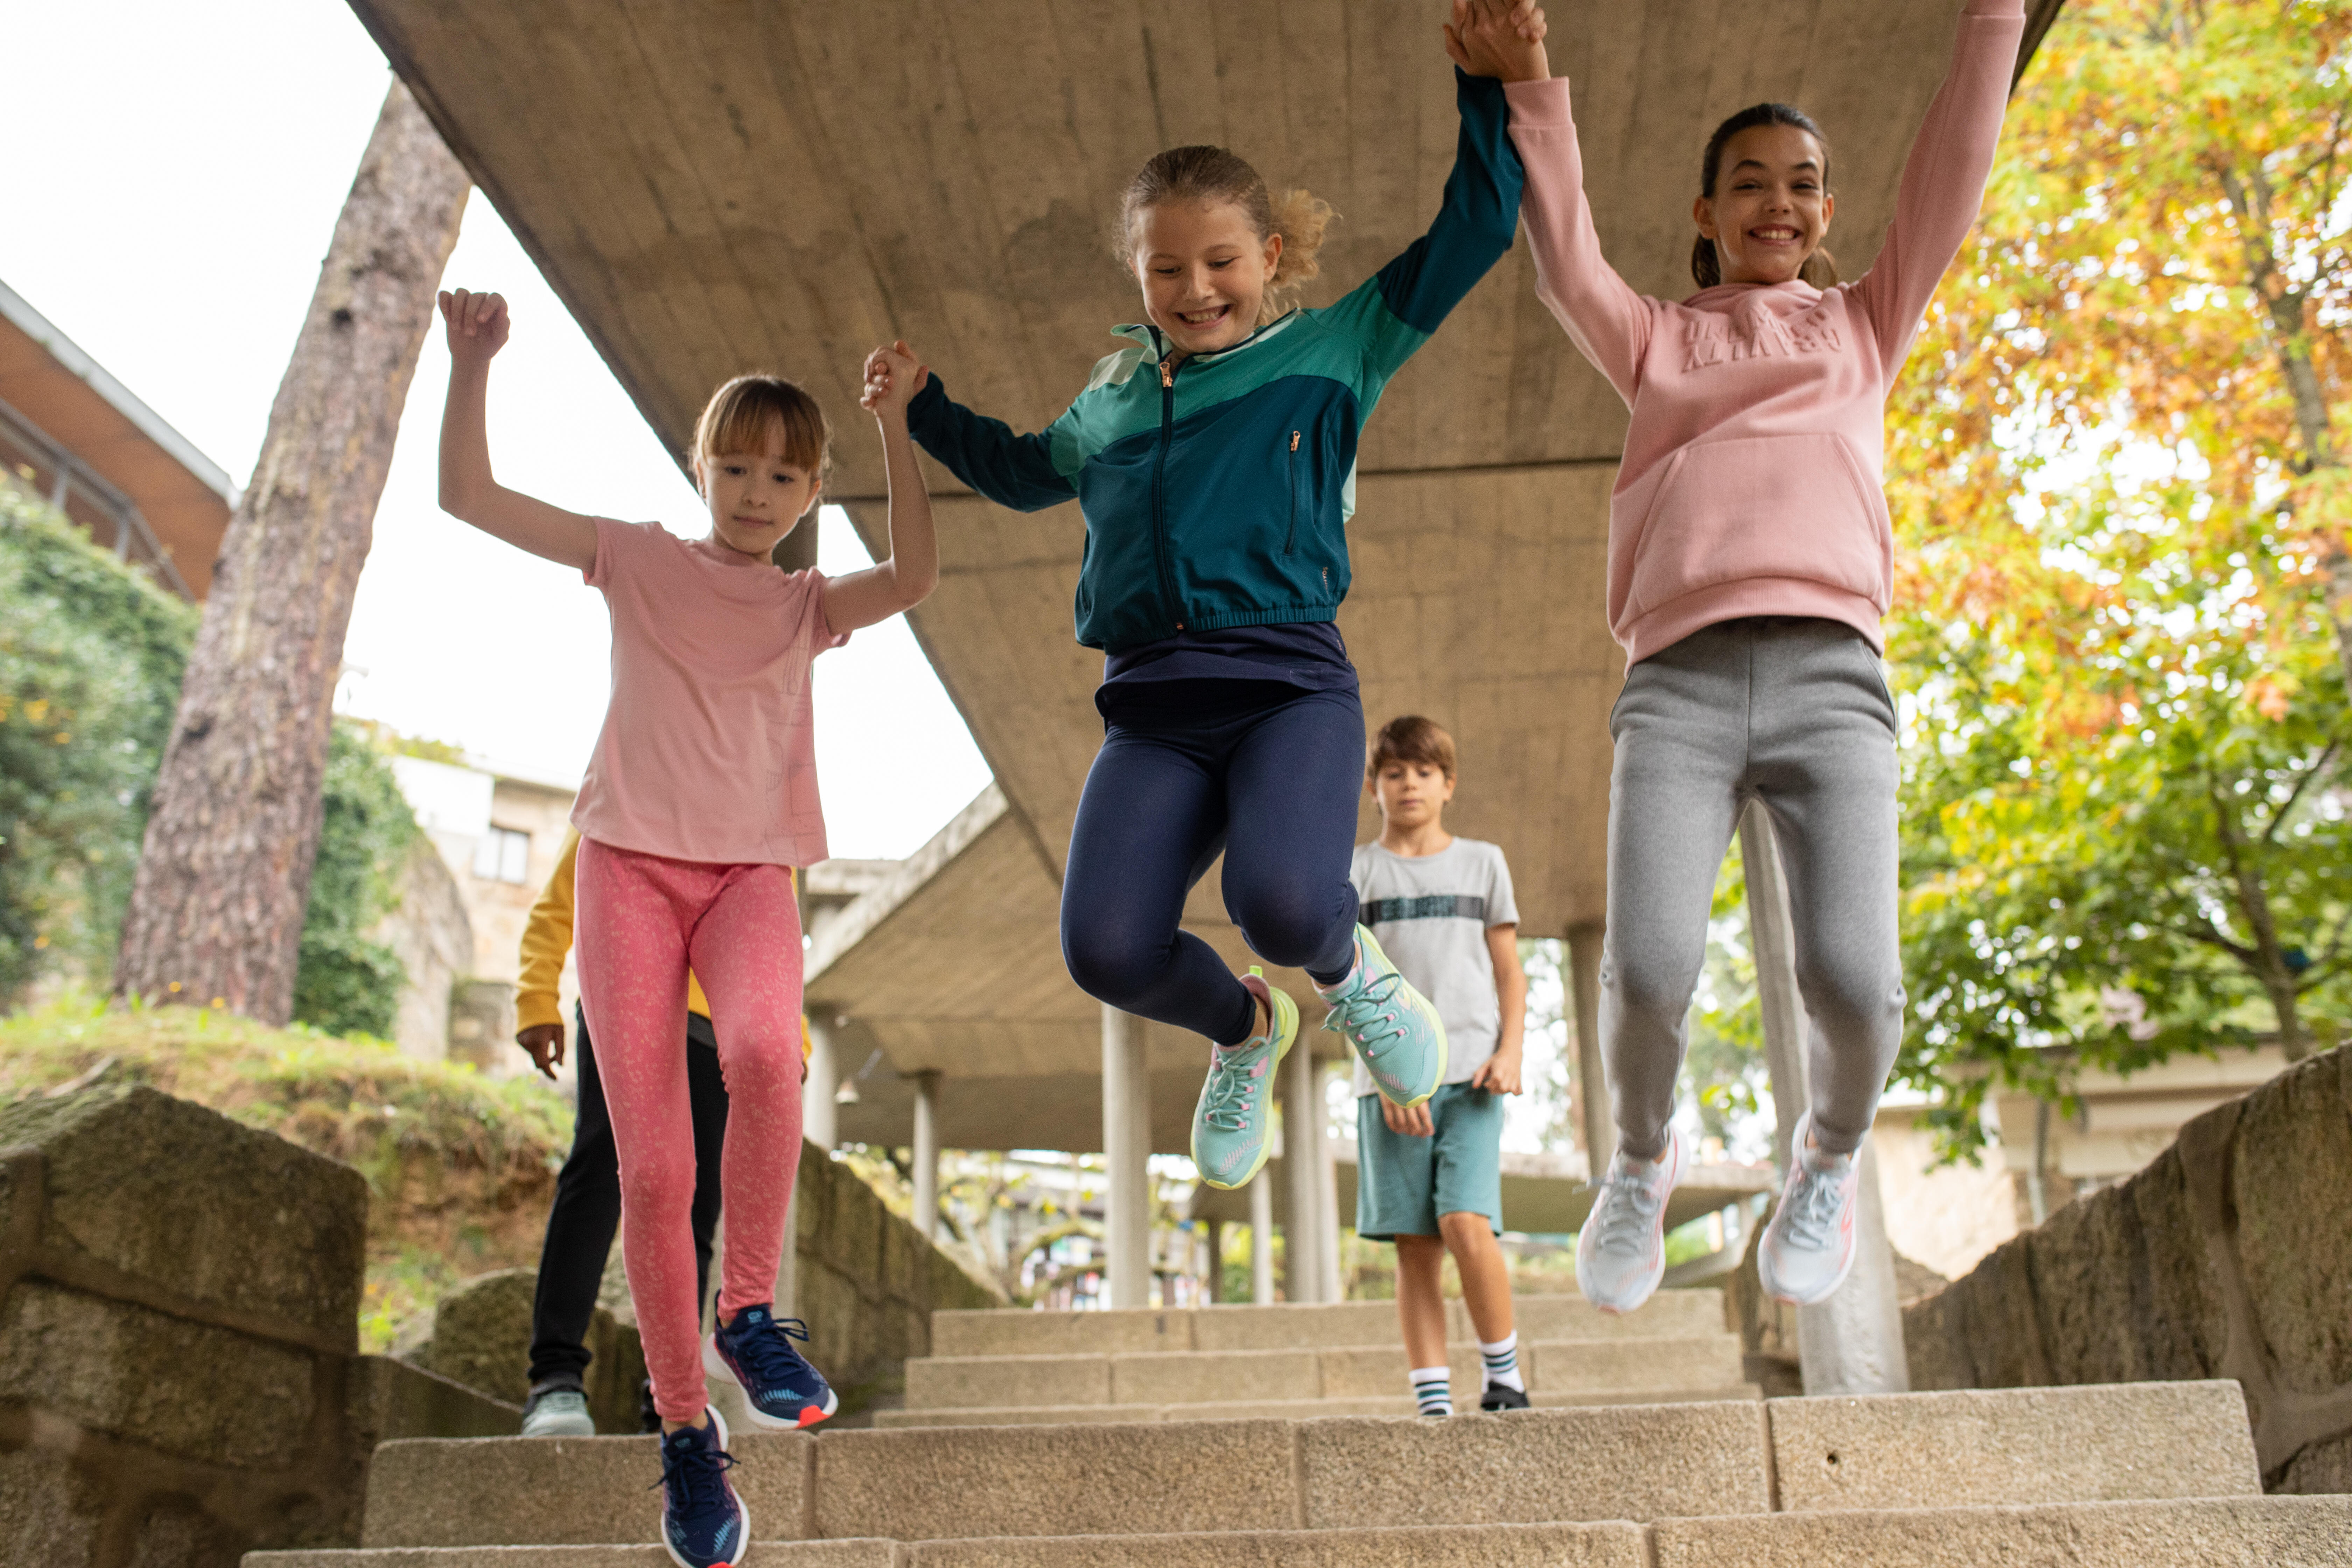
(1763, 507)
(1297, 470)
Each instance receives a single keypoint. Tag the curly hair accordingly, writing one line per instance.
(1216, 175)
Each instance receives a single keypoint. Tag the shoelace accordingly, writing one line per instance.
(770, 1356)
(695, 1474)
(1627, 1214)
(1354, 1018)
(1814, 1206)
(1228, 1092)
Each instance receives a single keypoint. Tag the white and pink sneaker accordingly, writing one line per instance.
(1620, 1253)
(1807, 1249)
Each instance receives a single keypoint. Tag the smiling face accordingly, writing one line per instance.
(1411, 794)
(1204, 272)
(1772, 205)
(755, 498)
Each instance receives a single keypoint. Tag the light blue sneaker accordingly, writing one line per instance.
(1394, 1027)
(1229, 1126)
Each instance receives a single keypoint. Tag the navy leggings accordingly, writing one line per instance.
(1267, 773)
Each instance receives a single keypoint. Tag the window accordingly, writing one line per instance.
(503, 855)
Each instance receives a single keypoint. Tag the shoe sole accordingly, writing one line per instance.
(1428, 1011)
(743, 1509)
(1773, 1288)
(569, 1429)
(712, 1362)
(1658, 1272)
(1265, 1145)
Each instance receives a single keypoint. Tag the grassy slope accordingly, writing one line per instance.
(459, 1166)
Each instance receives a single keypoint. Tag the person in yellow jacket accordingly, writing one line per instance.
(587, 1207)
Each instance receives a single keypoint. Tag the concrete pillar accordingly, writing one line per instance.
(1213, 1279)
(1326, 1193)
(1261, 1200)
(1126, 1150)
(927, 1154)
(820, 1120)
(1302, 1132)
(1853, 1343)
(1599, 1121)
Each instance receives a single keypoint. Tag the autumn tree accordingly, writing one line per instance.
(2122, 620)
(224, 875)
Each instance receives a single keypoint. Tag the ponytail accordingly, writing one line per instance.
(1203, 173)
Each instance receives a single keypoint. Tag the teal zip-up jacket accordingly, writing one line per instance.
(1216, 491)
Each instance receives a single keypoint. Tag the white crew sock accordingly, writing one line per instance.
(1503, 1361)
(1434, 1386)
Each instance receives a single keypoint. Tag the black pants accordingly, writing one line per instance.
(587, 1207)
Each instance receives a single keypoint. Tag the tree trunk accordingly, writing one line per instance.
(224, 878)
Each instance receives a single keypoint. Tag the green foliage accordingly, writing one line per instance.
(348, 985)
(90, 658)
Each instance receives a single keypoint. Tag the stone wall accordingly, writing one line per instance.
(428, 928)
(480, 1334)
(179, 1307)
(2230, 1256)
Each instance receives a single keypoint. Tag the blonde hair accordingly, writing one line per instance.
(1214, 175)
(742, 413)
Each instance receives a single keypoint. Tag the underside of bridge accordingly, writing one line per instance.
(717, 187)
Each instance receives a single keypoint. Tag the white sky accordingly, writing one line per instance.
(175, 170)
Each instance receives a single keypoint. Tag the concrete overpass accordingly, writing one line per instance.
(713, 188)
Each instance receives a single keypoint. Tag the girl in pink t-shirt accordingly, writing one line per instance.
(1749, 560)
(700, 798)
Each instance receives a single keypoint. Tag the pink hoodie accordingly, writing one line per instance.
(1752, 479)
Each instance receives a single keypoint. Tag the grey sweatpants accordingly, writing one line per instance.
(1794, 713)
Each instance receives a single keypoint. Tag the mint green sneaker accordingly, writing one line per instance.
(1393, 1027)
(1229, 1126)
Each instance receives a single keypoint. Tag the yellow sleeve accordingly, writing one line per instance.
(696, 1001)
(546, 941)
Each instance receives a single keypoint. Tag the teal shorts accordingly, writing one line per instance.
(1403, 1182)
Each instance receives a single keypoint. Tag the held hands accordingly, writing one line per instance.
(1501, 38)
(478, 325)
(543, 1042)
(1499, 1074)
(893, 376)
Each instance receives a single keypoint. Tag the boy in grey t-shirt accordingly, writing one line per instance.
(1429, 1177)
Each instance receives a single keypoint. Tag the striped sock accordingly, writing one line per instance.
(1434, 1386)
(1503, 1361)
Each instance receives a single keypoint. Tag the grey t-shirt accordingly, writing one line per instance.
(1431, 915)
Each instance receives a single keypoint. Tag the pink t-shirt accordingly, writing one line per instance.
(708, 752)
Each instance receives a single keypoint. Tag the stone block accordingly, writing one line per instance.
(835, 1318)
(479, 1335)
(1014, 1331)
(1374, 1372)
(1030, 1415)
(391, 1400)
(947, 1383)
(1563, 1317)
(1145, 1479)
(2291, 1184)
(53, 1510)
(1993, 1327)
(767, 1551)
(2220, 1533)
(2322, 1467)
(2091, 1444)
(1192, 1377)
(185, 1388)
(1302, 1325)
(492, 1491)
(194, 1203)
(1637, 1462)
(854, 1222)
(1564, 1366)
(1743, 1393)
(904, 1263)
(2181, 1324)
(1612, 1545)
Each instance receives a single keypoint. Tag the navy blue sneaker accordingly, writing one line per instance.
(704, 1523)
(779, 1388)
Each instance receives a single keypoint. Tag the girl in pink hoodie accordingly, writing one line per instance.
(1749, 562)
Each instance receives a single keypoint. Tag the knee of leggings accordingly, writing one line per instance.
(1653, 980)
(1846, 996)
(661, 1187)
(1288, 926)
(1109, 961)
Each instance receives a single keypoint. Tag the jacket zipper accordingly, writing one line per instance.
(1159, 492)
(1290, 535)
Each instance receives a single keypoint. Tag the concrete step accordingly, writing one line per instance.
(1466, 1396)
(1306, 1326)
(1192, 1377)
(1616, 1462)
(2213, 1532)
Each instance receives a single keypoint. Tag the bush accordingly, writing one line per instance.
(90, 659)
(347, 984)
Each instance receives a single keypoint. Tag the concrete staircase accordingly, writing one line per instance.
(1102, 1457)
(994, 1369)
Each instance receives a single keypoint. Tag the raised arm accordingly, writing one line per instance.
(1019, 471)
(1400, 306)
(1944, 179)
(905, 577)
(478, 325)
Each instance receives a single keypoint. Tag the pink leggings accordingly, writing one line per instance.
(643, 923)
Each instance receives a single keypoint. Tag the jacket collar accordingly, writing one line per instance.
(1155, 345)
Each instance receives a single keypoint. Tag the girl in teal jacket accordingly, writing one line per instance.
(1213, 457)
